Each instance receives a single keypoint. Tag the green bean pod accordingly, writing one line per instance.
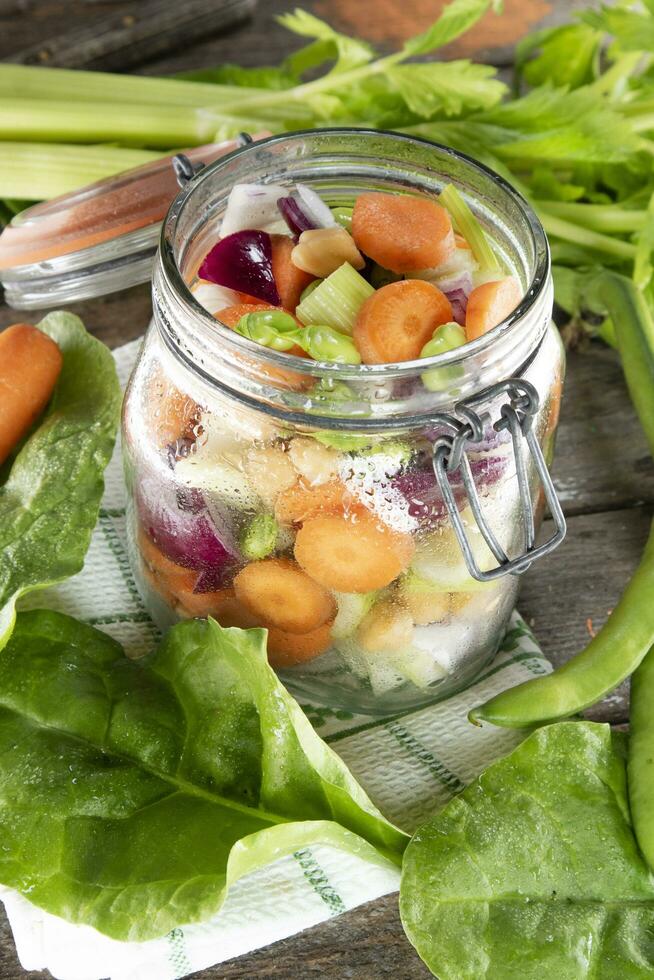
(640, 767)
(610, 657)
(622, 643)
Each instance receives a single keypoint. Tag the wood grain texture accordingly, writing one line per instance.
(135, 33)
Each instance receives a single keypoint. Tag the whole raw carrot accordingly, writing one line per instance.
(30, 363)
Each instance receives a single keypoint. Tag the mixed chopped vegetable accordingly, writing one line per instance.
(397, 281)
(337, 542)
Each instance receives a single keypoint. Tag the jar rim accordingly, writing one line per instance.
(344, 372)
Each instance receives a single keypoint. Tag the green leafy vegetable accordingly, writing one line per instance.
(533, 871)
(132, 796)
(456, 19)
(49, 502)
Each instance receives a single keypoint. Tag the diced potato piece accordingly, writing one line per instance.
(271, 472)
(313, 461)
(387, 628)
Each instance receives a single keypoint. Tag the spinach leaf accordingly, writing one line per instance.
(132, 794)
(533, 871)
(49, 502)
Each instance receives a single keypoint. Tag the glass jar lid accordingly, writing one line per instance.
(96, 240)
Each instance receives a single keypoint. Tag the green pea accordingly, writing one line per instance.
(448, 336)
(270, 328)
(326, 344)
(343, 216)
(260, 537)
(309, 289)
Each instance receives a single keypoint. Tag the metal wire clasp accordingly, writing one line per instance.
(449, 454)
(185, 170)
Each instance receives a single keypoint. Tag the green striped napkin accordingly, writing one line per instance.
(409, 765)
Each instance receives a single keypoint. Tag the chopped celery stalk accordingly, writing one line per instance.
(260, 537)
(309, 289)
(38, 171)
(352, 607)
(468, 225)
(337, 300)
(343, 216)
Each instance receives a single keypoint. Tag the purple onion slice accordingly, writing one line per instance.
(243, 261)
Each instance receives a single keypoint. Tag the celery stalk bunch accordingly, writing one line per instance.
(575, 135)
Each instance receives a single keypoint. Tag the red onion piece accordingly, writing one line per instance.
(186, 533)
(459, 303)
(243, 261)
(294, 215)
(304, 210)
(314, 207)
(425, 500)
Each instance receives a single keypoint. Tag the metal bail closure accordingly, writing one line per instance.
(449, 454)
(185, 171)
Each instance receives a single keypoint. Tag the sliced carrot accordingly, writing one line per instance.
(491, 303)
(232, 314)
(222, 605)
(30, 363)
(290, 280)
(460, 241)
(278, 592)
(402, 233)
(173, 415)
(170, 579)
(247, 298)
(354, 554)
(395, 323)
(288, 649)
(302, 501)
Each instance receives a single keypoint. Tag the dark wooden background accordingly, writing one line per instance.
(603, 470)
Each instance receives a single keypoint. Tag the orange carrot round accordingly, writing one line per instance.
(352, 555)
(173, 415)
(402, 233)
(395, 323)
(30, 363)
(221, 604)
(491, 303)
(278, 592)
(290, 280)
(302, 501)
(288, 649)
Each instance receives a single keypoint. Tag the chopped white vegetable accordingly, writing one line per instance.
(213, 297)
(253, 206)
(315, 207)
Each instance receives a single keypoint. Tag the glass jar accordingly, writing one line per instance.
(233, 450)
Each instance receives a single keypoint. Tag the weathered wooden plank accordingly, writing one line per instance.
(386, 24)
(135, 33)
(367, 943)
(602, 461)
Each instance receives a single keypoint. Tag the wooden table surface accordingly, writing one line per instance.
(603, 471)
